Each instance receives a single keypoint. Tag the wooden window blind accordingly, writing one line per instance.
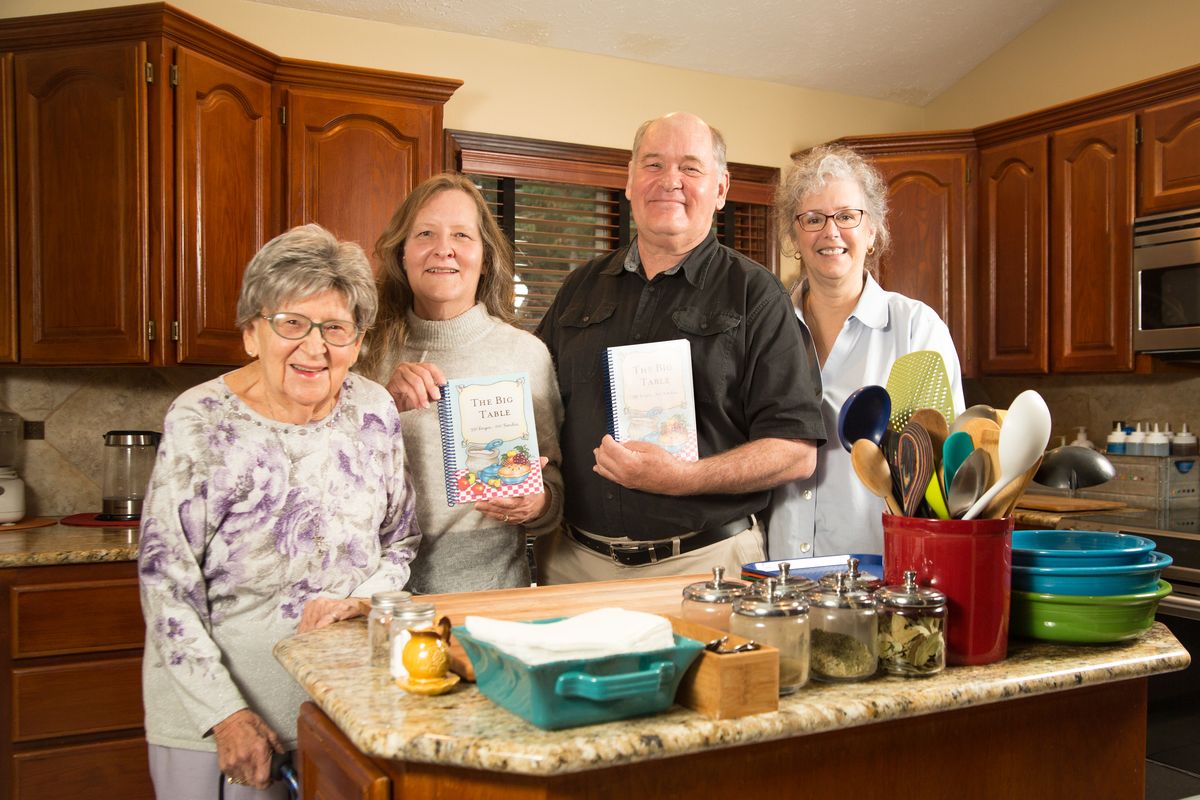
(562, 205)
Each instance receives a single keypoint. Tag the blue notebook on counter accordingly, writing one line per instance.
(650, 396)
(489, 440)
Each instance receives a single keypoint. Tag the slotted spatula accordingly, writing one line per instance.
(918, 380)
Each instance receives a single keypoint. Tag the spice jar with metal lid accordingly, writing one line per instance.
(855, 579)
(796, 584)
(379, 625)
(779, 618)
(406, 617)
(912, 628)
(710, 602)
(844, 636)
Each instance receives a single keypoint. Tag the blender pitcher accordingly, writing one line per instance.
(128, 461)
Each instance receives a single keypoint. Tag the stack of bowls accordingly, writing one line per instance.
(1084, 586)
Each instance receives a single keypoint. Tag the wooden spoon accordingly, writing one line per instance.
(989, 442)
(935, 425)
(872, 469)
(1006, 499)
(916, 466)
(976, 427)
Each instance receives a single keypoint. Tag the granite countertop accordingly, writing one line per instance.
(465, 729)
(66, 544)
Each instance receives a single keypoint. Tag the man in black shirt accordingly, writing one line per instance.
(633, 509)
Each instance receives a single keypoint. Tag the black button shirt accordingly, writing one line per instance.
(753, 369)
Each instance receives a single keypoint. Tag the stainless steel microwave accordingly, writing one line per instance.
(1166, 283)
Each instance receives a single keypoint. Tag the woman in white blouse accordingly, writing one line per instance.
(832, 208)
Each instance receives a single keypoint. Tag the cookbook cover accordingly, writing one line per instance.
(489, 442)
(650, 396)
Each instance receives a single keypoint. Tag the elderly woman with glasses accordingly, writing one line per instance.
(832, 208)
(278, 501)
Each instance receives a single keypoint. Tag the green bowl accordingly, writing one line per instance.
(1084, 618)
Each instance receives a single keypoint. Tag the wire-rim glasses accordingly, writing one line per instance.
(845, 219)
(337, 332)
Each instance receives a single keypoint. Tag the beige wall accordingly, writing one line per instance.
(522, 90)
(1080, 48)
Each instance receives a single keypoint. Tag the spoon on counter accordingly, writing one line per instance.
(1023, 438)
(971, 480)
(872, 469)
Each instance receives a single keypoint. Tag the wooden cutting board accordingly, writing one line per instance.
(27, 523)
(652, 595)
(1045, 502)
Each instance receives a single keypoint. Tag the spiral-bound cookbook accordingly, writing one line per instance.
(650, 396)
(489, 441)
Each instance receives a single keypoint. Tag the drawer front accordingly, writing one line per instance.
(116, 769)
(79, 617)
(73, 699)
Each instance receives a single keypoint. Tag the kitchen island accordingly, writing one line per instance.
(1049, 721)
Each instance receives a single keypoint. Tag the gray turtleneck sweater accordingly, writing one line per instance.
(462, 550)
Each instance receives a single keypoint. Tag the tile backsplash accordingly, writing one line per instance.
(63, 472)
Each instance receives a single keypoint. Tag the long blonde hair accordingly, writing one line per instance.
(495, 290)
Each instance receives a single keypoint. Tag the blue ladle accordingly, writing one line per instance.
(864, 415)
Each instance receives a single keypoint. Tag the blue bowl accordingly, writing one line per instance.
(1078, 548)
(1109, 580)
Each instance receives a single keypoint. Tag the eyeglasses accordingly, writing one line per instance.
(815, 221)
(337, 332)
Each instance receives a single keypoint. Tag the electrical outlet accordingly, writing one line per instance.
(35, 429)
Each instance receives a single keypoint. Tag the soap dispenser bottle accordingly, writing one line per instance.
(1081, 439)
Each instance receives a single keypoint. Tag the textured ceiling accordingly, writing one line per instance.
(908, 51)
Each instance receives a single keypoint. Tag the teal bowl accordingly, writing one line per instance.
(1089, 580)
(1084, 618)
(1078, 548)
(563, 694)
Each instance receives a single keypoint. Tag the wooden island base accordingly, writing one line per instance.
(1089, 742)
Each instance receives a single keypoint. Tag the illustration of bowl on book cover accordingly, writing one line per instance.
(650, 396)
(489, 439)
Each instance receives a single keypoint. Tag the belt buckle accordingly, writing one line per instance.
(621, 547)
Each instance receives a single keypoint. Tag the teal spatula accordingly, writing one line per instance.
(954, 452)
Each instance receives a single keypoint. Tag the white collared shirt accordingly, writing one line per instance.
(832, 512)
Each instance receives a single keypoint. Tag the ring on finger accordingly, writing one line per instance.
(506, 517)
(234, 781)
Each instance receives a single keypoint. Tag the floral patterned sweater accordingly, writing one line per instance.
(246, 519)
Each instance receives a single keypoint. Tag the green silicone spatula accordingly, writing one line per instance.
(918, 380)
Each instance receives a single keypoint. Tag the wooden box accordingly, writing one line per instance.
(729, 685)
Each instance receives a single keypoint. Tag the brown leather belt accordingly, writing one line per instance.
(636, 554)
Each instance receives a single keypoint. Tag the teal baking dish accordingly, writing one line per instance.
(564, 694)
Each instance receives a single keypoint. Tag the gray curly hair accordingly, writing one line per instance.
(303, 262)
(809, 174)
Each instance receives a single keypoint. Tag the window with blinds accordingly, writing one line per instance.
(563, 205)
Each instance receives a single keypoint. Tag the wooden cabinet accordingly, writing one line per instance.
(1169, 156)
(1013, 207)
(8, 217)
(329, 764)
(152, 160)
(71, 683)
(1091, 250)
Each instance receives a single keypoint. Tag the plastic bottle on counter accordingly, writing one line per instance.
(1115, 445)
(1081, 439)
(1170, 434)
(1156, 443)
(1134, 441)
(1184, 443)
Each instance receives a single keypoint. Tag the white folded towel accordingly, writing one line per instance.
(592, 634)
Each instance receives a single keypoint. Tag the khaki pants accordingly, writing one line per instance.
(561, 559)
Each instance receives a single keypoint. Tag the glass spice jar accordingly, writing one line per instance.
(795, 584)
(379, 626)
(844, 636)
(855, 579)
(711, 602)
(912, 628)
(405, 618)
(779, 618)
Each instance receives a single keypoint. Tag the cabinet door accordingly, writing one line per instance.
(1012, 257)
(351, 160)
(81, 139)
(929, 216)
(330, 765)
(1169, 157)
(8, 217)
(1091, 269)
(223, 151)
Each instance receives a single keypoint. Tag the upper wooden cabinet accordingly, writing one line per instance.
(1169, 156)
(931, 214)
(154, 155)
(8, 217)
(1013, 332)
(1091, 252)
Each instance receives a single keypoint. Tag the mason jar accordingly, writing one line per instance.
(912, 628)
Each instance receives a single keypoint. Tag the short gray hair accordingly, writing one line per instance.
(718, 143)
(303, 262)
(809, 174)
